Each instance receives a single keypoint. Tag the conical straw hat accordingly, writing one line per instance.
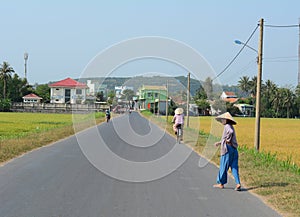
(178, 111)
(227, 116)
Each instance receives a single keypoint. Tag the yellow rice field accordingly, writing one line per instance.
(280, 136)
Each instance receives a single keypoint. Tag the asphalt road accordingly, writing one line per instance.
(59, 181)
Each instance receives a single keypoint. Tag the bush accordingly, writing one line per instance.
(5, 105)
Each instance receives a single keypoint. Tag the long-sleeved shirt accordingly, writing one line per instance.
(228, 137)
(178, 119)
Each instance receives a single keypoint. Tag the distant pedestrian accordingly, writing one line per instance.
(229, 153)
(178, 119)
(107, 114)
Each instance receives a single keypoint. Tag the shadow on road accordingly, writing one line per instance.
(266, 185)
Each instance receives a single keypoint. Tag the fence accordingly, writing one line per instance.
(57, 107)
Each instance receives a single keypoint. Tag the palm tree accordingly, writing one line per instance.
(269, 91)
(244, 84)
(288, 100)
(297, 93)
(277, 101)
(5, 74)
(253, 85)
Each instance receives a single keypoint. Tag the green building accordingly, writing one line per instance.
(153, 98)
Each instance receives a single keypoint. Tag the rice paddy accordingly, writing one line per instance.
(277, 136)
(22, 132)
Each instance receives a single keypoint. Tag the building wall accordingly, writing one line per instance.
(30, 100)
(58, 95)
(150, 98)
(91, 90)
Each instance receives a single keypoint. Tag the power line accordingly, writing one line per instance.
(244, 45)
(286, 57)
(282, 26)
(244, 69)
(281, 61)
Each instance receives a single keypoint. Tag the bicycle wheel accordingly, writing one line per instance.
(179, 132)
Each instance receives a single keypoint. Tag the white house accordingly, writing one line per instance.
(32, 98)
(91, 88)
(246, 109)
(229, 97)
(68, 91)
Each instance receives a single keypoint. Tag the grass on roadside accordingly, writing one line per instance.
(278, 181)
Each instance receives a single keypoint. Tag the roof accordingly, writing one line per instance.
(230, 93)
(68, 82)
(31, 96)
(231, 100)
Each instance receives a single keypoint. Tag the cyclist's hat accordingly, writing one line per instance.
(178, 111)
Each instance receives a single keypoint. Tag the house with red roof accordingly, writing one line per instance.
(68, 91)
(229, 97)
(32, 98)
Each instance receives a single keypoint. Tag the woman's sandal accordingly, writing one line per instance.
(218, 186)
(238, 188)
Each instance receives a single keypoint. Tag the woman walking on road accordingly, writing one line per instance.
(229, 153)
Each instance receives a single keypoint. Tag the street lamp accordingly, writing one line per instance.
(258, 86)
(25, 64)
(242, 43)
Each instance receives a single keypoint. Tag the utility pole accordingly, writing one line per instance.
(167, 101)
(258, 87)
(158, 107)
(188, 100)
(299, 56)
(25, 64)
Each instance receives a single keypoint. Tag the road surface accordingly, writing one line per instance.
(59, 181)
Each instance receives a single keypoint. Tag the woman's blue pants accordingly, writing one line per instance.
(229, 160)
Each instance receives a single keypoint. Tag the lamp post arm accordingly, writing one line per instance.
(251, 48)
(246, 45)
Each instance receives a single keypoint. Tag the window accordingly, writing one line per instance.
(78, 91)
(156, 95)
(149, 94)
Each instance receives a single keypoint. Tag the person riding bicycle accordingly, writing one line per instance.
(107, 114)
(178, 119)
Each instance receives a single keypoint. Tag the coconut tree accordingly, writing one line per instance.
(269, 92)
(288, 100)
(5, 74)
(277, 101)
(297, 93)
(253, 85)
(244, 84)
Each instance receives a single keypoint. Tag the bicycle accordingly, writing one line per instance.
(179, 133)
(107, 118)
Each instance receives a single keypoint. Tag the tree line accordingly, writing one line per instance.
(13, 87)
(276, 102)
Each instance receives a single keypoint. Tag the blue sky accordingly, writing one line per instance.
(62, 37)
